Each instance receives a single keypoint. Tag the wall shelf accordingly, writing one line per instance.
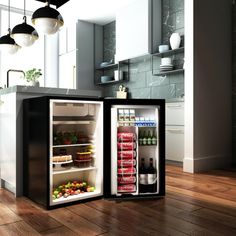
(108, 67)
(168, 53)
(164, 54)
(111, 82)
(169, 72)
(122, 66)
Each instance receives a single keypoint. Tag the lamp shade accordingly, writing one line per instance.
(7, 44)
(47, 20)
(24, 34)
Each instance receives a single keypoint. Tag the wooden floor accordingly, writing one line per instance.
(199, 204)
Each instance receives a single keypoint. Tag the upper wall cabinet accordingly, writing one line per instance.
(67, 39)
(138, 29)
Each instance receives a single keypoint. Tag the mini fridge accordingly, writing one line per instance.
(79, 149)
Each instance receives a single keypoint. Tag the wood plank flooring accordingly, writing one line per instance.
(195, 204)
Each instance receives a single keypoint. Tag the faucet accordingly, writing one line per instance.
(13, 70)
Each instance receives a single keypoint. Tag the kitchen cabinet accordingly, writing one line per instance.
(138, 29)
(8, 150)
(67, 69)
(76, 56)
(67, 39)
(175, 131)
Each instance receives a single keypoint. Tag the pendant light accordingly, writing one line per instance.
(7, 43)
(47, 20)
(24, 34)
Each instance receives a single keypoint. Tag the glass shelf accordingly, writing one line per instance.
(72, 145)
(73, 169)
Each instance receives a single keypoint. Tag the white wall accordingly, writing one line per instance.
(208, 84)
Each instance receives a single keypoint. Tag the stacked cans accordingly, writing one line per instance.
(126, 162)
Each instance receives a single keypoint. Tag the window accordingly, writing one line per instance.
(26, 58)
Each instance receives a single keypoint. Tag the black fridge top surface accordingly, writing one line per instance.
(106, 100)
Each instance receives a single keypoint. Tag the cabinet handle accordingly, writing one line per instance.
(176, 106)
(74, 77)
(175, 130)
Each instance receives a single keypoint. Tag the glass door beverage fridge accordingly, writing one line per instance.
(78, 149)
(136, 148)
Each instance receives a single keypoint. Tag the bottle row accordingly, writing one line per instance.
(147, 137)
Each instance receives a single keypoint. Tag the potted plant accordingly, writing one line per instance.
(33, 76)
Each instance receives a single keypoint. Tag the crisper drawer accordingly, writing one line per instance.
(175, 143)
(175, 113)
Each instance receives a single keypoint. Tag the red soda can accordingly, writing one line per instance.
(126, 137)
(126, 154)
(126, 146)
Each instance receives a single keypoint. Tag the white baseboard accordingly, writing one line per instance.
(205, 163)
(8, 186)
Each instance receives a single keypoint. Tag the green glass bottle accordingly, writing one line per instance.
(149, 138)
(140, 138)
(154, 139)
(144, 138)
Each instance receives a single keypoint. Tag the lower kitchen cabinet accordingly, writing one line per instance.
(175, 131)
(175, 143)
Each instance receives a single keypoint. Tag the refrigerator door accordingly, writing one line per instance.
(76, 150)
(135, 150)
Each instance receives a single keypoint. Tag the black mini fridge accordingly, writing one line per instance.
(79, 149)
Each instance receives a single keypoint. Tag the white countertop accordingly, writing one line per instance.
(50, 91)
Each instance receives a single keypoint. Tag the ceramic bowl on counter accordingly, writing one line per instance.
(163, 48)
(106, 78)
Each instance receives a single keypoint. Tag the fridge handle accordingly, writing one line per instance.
(74, 76)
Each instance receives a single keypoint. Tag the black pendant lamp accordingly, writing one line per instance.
(24, 34)
(8, 44)
(47, 20)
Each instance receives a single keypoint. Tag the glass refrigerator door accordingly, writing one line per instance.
(134, 150)
(76, 150)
